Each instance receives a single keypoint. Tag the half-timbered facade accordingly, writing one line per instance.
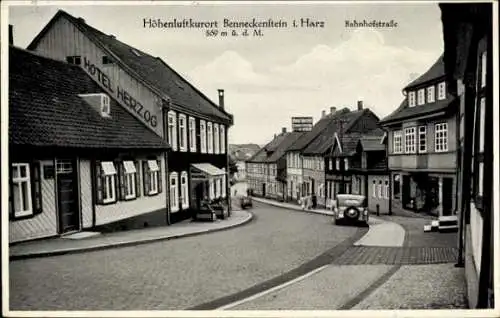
(468, 58)
(78, 160)
(422, 147)
(161, 99)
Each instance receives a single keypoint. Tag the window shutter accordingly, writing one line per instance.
(36, 188)
(121, 179)
(118, 187)
(137, 179)
(145, 174)
(98, 183)
(159, 177)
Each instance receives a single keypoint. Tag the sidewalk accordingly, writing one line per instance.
(61, 245)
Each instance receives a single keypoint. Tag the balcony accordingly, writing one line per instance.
(431, 161)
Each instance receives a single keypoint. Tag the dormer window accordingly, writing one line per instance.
(431, 94)
(421, 96)
(75, 59)
(442, 90)
(105, 107)
(106, 60)
(411, 99)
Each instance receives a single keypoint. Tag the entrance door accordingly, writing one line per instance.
(67, 196)
(406, 193)
(447, 196)
(263, 189)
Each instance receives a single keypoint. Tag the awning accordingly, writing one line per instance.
(108, 168)
(129, 167)
(153, 165)
(208, 169)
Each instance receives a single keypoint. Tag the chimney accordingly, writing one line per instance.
(82, 20)
(360, 105)
(283, 130)
(221, 98)
(323, 113)
(11, 34)
(333, 110)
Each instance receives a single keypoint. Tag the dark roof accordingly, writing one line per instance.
(349, 143)
(289, 139)
(436, 71)
(404, 112)
(325, 139)
(317, 129)
(269, 149)
(45, 109)
(152, 70)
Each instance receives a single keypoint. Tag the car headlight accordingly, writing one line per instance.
(365, 212)
(341, 214)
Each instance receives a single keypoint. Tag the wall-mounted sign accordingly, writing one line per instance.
(119, 93)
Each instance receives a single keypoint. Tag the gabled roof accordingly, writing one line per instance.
(325, 139)
(45, 109)
(372, 143)
(404, 112)
(153, 71)
(280, 151)
(265, 152)
(436, 71)
(317, 129)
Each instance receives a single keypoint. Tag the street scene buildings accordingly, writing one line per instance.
(136, 186)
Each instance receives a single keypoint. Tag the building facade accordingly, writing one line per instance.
(195, 127)
(78, 160)
(468, 57)
(422, 147)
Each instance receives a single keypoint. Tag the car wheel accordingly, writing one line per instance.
(352, 213)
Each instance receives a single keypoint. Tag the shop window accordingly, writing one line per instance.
(184, 190)
(172, 130)
(182, 133)
(422, 139)
(25, 190)
(192, 134)
(397, 141)
(216, 139)
(108, 182)
(128, 180)
(441, 137)
(75, 59)
(210, 148)
(411, 99)
(174, 197)
(431, 94)
(442, 90)
(203, 136)
(152, 177)
(222, 139)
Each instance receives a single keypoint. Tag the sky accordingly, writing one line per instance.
(283, 73)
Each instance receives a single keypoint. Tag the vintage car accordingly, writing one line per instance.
(246, 202)
(351, 208)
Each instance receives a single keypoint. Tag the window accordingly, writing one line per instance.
(422, 139)
(224, 189)
(337, 164)
(76, 59)
(386, 189)
(374, 189)
(441, 137)
(483, 69)
(192, 134)
(398, 147)
(109, 188)
(421, 96)
(411, 99)
(203, 137)
(174, 197)
(182, 133)
(172, 130)
(410, 140)
(106, 60)
(442, 90)
(481, 124)
(105, 108)
(330, 164)
(222, 131)
(431, 94)
(129, 180)
(152, 177)
(184, 190)
(210, 138)
(211, 189)
(346, 164)
(380, 189)
(21, 190)
(216, 139)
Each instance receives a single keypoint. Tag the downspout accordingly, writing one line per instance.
(165, 158)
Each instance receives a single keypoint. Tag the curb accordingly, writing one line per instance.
(67, 251)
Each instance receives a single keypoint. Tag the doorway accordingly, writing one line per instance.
(67, 196)
(447, 196)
